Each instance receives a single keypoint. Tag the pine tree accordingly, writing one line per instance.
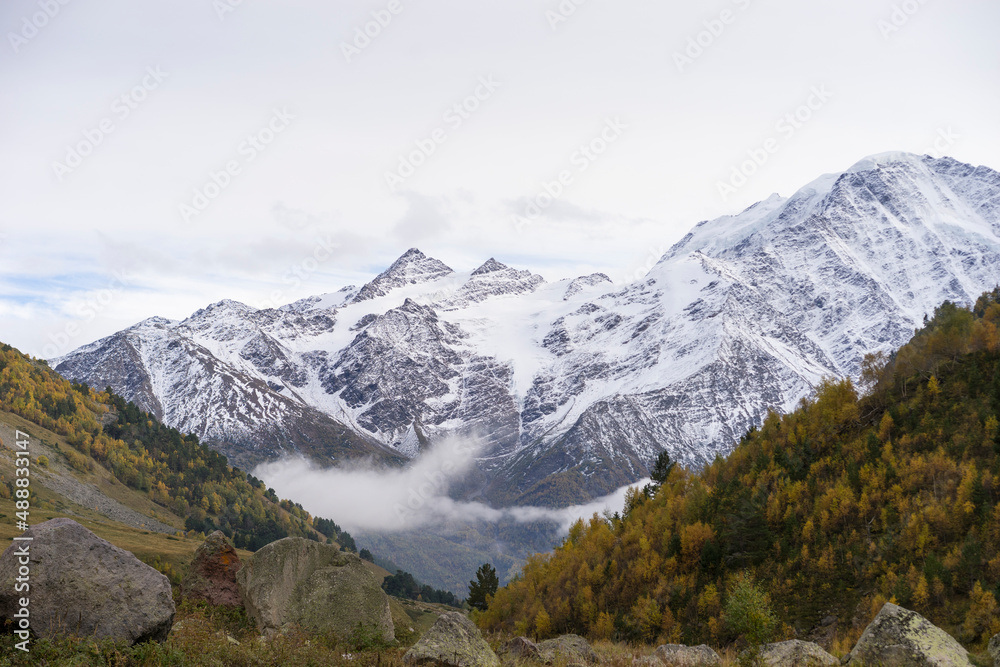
(658, 474)
(662, 468)
(483, 587)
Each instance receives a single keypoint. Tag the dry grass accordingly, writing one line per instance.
(204, 635)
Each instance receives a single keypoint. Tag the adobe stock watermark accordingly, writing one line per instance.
(33, 24)
(94, 303)
(224, 7)
(900, 15)
(946, 138)
(585, 155)
(433, 485)
(365, 34)
(454, 118)
(704, 39)
(121, 108)
(297, 219)
(786, 127)
(562, 13)
(639, 272)
(22, 548)
(301, 271)
(248, 151)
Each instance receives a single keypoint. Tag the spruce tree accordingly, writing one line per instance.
(483, 587)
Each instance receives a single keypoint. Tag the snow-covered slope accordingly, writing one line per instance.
(575, 386)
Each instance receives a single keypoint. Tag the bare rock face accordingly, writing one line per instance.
(84, 586)
(902, 638)
(678, 655)
(212, 575)
(453, 641)
(298, 582)
(797, 653)
(994, 649)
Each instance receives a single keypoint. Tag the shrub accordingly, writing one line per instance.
(748, 614)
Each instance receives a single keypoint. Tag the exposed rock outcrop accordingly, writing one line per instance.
(297, 582)
(568, 648)
(796, 653)
(212, 575)
(453, 641)
(678, 655)
(902, 638)
(84, 586)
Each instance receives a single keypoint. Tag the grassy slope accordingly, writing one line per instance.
(174, 550)
(201, 634)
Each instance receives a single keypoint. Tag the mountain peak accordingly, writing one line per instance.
(490, 266)
(412, 268)
(221, 306)
(155, 321)
(882, 159)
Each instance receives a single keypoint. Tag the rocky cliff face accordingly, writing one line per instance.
(575, 386)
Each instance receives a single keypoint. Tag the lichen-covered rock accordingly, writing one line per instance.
(678, 655)
(522, 648)
(298, 582)
(796, 653)
(902, 638)
(570, 648)
(453, 641)
(994, 649)
(85, 586)
(212, 575)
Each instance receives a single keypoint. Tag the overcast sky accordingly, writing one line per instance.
(161, 156)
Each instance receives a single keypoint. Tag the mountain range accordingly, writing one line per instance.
(573, 387)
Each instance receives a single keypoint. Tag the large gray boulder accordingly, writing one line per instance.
(994, 649)
(678, 655)
(453, 641)
(212, 574)
(84, 586)
(796, 653)
(298, 582)
(902, 638)
(568, 648)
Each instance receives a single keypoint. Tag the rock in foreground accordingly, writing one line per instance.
(298, 582)
(902, 638)
(522, 648)
(453, 641)
(212, 575)
(796, 653)
(678, 655)
(570, 648)
(84, 586)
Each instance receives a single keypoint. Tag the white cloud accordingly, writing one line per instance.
(399, 500)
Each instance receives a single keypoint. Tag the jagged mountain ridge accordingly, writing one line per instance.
(574, 386)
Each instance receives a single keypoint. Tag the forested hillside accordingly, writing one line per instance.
(175, 470)
(856, 498)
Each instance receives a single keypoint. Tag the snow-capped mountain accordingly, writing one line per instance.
(575, 386)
